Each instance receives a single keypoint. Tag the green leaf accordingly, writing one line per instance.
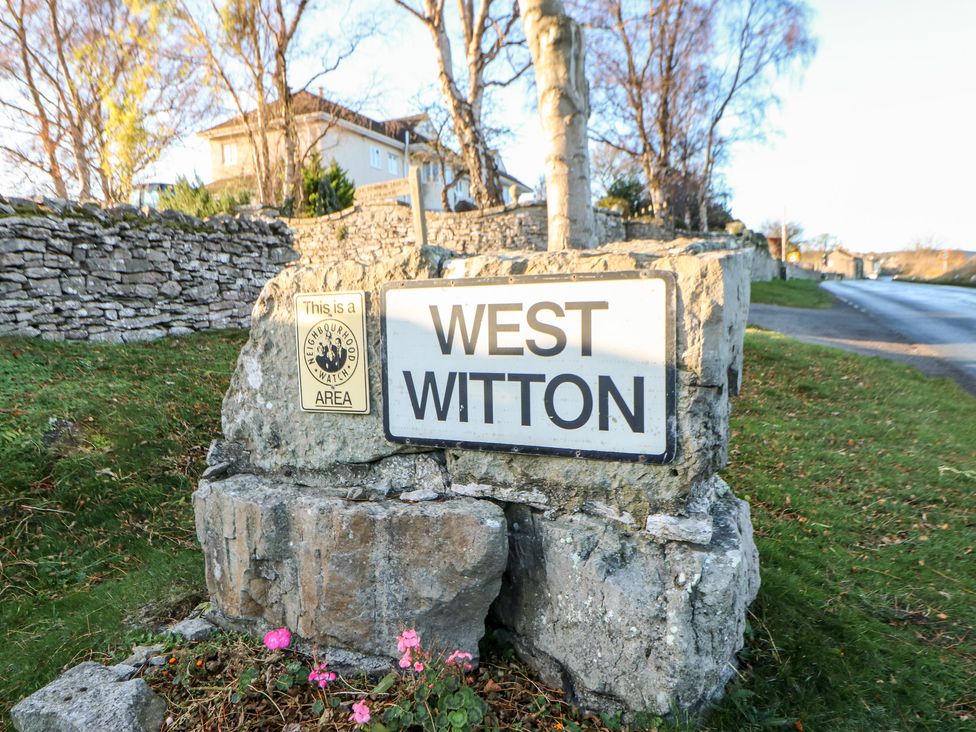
(294, 667)
(236, 697)
(247, 678)
(285, 682)
(459, 719)
(385, 684)
(318, 707)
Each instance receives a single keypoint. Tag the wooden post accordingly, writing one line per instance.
(417, 206)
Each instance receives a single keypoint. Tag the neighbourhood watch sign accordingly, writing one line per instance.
(577, 365)
(331, 332)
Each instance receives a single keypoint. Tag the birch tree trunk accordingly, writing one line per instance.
(464, 106)
(556, 43)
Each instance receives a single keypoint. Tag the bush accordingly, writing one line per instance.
(633, 192)
(196, 200)
(615, 203)
(325, 190)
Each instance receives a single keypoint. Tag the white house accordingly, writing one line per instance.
(371, 151)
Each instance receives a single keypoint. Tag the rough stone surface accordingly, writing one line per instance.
(194, 629)
(125, 276)
(624, 623)
(625, 582)
(712, 306)
(261, 410)
(695, 529)
(370, 232)
(348, 576)
(421, 494)
(141, 655)
(91, 697)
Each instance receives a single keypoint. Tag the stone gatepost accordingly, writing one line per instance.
(624, 578)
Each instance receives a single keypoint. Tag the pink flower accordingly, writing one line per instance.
(360, 713)
(319, 675)
(278, 638)
(418, 667)
(459, 656)
(407, 639)
(406, 661)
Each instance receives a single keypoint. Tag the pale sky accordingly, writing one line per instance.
(872, 144)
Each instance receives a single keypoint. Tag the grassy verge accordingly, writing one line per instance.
(792, 293)
(860, 472)
(100, 447)
(950, 282)
(861, 475)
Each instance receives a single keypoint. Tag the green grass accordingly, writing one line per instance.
(861, 474)
(97, 522)
(862, 478)
(792, 293)
(951, 282)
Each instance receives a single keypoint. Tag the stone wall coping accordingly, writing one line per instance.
(61, 209)
(393, 205)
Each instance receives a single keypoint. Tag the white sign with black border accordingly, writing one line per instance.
(575, 365)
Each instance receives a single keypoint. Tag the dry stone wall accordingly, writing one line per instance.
(367, 232)
(765, 268)
(82, 272)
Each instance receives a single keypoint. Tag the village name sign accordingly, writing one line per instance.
(579, 365)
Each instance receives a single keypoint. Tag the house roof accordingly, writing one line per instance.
(304, 102)
(845, 253)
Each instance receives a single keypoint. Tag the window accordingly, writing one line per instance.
(393, 164)
(228, 153)
(430, 172)
(374, 157)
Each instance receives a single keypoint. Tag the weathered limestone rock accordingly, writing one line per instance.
(347, 576)
(626, 582)
(261, 410)
(696, 529)
(91, 697)
(625, 623)
(712, 307)
(194, 629)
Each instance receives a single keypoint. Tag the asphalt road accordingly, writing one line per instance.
(932, 327)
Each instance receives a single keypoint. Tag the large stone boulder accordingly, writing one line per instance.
(261, 410)
(627, 582)
(712, 308)
(347, 576)
(626, 623)
(262, 415)
(91, 697)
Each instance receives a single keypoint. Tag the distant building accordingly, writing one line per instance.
(845, 263)
(872, 267)
(370, 151)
